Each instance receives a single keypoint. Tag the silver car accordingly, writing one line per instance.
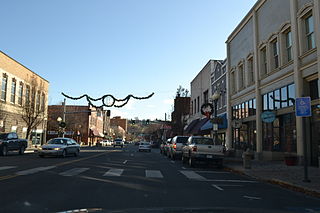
(59, 147)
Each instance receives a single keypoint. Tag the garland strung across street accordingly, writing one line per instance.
(105, 98)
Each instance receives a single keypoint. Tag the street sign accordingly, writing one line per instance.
(268, 116)
(303, 107)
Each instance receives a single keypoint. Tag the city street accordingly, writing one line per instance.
(108, 179)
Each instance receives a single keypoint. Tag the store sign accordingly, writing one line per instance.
(268, 116)
(303, 107)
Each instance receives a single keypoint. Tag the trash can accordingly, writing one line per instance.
(247, 157)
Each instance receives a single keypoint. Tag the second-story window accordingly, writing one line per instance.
(275, 54)
(4, 87)
(309, 26)
(240, 76)
(20, 93)
(250, 71)
(206, 97)
(263, 55)
(38, 101)
(288, 36)
(13, 91)
(27, 95)
(43, 102)
(198, 104)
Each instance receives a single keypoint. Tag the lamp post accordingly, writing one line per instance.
(59, 119)
(215, 97)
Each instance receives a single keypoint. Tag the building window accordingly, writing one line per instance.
(250, 71)
(309, 26)
(314, 92)
(279, 98)
(4, 87)
(232, 83)
(191, 107)
(43, 102)
(13, 91)
(275, 54)
(240, 76)
(27, 96)
(20, 93)
(288, 37)
(264, 65)
(206, 96)
(38, 101)
(198, 104)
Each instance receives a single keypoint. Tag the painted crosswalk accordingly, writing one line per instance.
(153, 174)
(7, 167)
(73, 172)
(35, 170)
(192, 175)
(114, 172)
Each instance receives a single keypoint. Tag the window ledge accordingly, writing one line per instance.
(308, 52)
(286, 64)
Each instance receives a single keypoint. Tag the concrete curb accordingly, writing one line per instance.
(281, 183)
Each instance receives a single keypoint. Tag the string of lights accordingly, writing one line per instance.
(113, 102)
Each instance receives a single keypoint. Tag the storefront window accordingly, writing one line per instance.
(292, 94)
(254, 106)
(270, 98)
(243, 110)
(277, 104)
(250, 108)
(284, 97)
(265, 102)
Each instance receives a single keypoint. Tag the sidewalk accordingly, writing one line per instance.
(277, 172)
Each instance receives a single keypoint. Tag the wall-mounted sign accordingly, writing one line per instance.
(303, 107)
(207, 109)
(268, 116)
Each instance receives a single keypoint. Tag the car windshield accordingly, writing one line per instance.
(207, 141)
(3, 136)
(58, 141)
(182, 140)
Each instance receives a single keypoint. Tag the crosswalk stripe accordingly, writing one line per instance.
(34, 170)
(113, 172)
(153, 174)
(192, 175)
(7, 167)
(73, 172)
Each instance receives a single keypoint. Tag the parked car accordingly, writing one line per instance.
(106, 143)
(175, 148)
(118, 142)
(144, 146)
(203, 149)
(11, 142)
(59, 147)
(167, 147)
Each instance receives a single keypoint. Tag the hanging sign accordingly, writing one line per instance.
(268, 116)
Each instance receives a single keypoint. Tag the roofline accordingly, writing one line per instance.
(211, 60)
(245, 20)
(24, 66)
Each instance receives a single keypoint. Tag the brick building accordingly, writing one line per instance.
(118, 121)
(83, 123)
(181, 109)
(22, 89)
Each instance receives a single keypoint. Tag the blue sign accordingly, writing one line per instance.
(268, 116)
(303, 107)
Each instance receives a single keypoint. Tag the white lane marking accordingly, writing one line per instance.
(124, 162)
(252, 198)
(172, 161)
(113, 172)
(153, 174)
(233, 181)
(73, 172)
(183, 167)
(217, 187)
(193, 175)
(34, 170)
(7, 167)
(212, 172)
(230, 185)
(131, 155)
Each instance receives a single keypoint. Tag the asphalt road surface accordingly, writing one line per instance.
(108, 179)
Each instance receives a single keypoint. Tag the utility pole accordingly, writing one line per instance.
(64, 115)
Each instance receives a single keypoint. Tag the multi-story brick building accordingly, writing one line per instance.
(118, 121)
(24, 94)
(181, 109)
(83, 123)
(273, 57)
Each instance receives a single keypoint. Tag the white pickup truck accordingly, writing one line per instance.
(203, 149)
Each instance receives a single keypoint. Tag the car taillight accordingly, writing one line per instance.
(174, 146)
(194, 149)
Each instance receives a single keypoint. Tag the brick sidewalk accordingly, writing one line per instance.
(278, 172)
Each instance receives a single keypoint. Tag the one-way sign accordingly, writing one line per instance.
(303, 107)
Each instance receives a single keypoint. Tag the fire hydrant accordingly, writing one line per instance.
(247, 156)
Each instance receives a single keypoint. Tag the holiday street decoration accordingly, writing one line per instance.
(107, 98)
(207, 109)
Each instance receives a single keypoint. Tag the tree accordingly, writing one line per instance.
(33, 112)
(182, 92)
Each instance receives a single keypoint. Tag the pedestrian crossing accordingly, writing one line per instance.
(119, 172)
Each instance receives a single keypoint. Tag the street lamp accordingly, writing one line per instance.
(215, 97)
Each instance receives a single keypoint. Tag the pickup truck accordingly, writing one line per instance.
(203, 149)
(11, 142)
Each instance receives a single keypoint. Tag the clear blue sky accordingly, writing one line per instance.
(119, 47)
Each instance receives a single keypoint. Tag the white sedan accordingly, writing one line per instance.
(59, 147)
(144, 146)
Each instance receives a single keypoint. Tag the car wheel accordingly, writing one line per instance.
(4, 151)
(76, 154)
(21, 150)
(191, 162)
(64, 153)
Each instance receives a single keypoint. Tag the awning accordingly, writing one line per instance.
(197, 128)
(190, 126)
(224, 125)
